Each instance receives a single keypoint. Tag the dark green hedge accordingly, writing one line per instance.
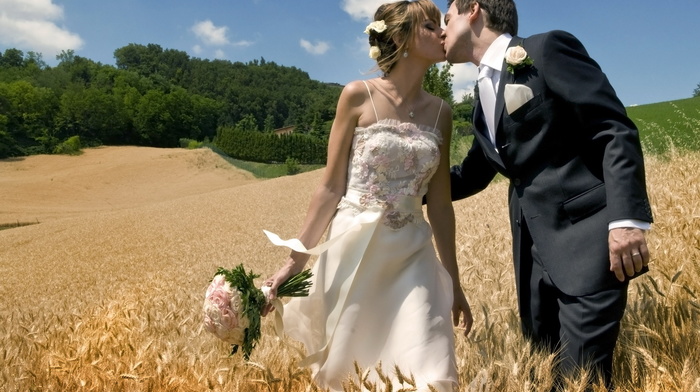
(269, 147)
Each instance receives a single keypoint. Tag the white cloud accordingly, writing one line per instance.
(219, 54)
(213, 36)
(30, 25)
(463, 79)
(30, 9)
(242, 43)
(362, 10)
(209, 34)
(320, 47)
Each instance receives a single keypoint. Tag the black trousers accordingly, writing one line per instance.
(584, 330)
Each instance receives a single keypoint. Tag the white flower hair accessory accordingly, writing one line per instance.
(374, 52)
(378, 25)
(516, 58)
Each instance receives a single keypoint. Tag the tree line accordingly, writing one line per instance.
(157, 97)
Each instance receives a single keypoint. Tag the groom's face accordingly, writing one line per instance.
(456, 35)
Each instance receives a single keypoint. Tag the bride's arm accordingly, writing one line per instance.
(442, 219)
(325, 198)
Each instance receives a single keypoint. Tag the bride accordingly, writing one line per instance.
(380, 293)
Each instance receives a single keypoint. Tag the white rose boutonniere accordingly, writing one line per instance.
(516, 58)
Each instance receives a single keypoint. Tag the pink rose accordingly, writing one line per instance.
(218, 281)
(222, 312)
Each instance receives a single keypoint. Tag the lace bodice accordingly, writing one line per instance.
(391, 162)
(392, 158)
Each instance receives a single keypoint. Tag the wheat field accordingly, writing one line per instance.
(103, 277)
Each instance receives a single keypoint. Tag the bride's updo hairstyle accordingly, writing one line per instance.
(402, 19)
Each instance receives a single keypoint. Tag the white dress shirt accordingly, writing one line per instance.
(493, 59)
(494, 56)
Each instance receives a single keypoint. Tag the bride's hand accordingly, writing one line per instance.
(462, 310)
(273, 282)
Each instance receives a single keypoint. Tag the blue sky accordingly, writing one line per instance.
(647, 48)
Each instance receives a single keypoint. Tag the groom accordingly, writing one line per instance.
(548, 119)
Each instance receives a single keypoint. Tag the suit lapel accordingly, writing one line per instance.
(506, 78)
(478, 117)
(481, 134)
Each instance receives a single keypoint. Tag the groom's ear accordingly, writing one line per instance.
(474, 7)
(474, 11)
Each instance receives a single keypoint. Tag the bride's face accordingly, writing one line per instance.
(427, 41)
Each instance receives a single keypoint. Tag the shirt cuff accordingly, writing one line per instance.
(633, 223)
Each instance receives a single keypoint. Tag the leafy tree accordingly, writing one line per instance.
(139, 58)
(176, 65)
(12, 58)
(462, 116)
(152, 118)
(28, 112)
(8, 145)
(269, 125)
(92, 114)
(206, 114)
(66, 56)
(247, 124)
(438, 81)
(165, 66)
(36, 58)
(696, 92)
(80, 69)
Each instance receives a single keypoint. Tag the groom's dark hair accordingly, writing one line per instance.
(501, 15)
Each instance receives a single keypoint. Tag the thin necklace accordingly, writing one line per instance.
(411, 113)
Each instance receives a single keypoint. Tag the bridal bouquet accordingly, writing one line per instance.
(232, 305)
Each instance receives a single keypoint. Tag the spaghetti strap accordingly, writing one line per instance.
(372, 100)
(438, 116)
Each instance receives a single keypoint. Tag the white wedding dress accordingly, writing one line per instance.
(380, 294)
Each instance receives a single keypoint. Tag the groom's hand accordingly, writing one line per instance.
(628, 252)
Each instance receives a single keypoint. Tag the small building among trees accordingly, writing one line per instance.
(284, 130)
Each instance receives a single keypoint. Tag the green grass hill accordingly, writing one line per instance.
(668, 125)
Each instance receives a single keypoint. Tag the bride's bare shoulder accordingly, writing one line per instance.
(356, 88)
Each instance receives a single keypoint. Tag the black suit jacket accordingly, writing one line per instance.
(573, 158)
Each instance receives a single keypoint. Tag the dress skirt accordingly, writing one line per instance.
(379, 296)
